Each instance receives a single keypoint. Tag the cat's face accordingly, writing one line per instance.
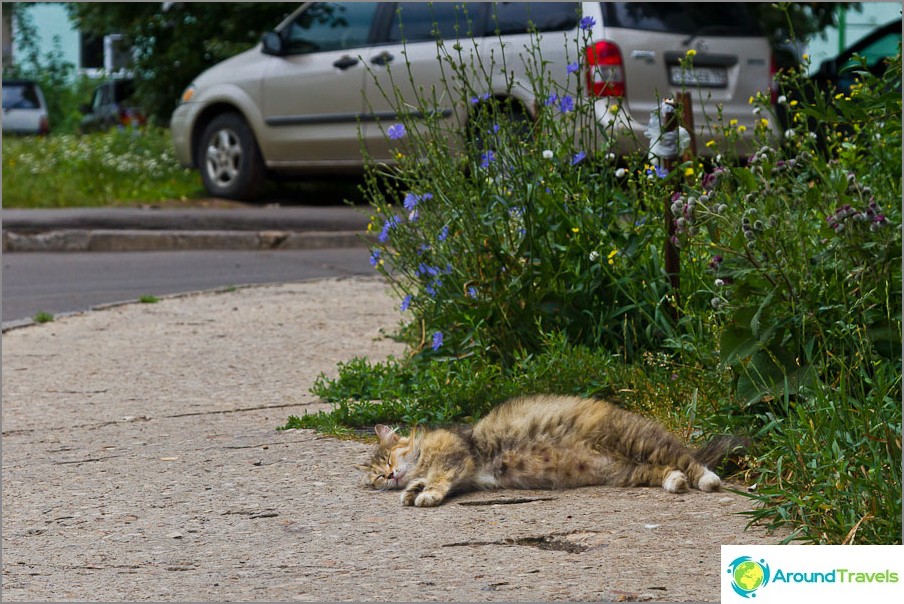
(392, 462)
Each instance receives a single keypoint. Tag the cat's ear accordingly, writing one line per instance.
(386, 434)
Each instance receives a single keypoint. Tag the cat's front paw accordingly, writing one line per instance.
(428, 500)
(411, 493)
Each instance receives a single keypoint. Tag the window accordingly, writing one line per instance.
(326, 26)
(18, 95)
(419, 21)
(524, 17)
(731, 18)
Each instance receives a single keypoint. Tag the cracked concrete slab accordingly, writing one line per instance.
(141, 462)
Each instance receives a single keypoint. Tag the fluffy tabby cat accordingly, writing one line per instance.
(542, 442)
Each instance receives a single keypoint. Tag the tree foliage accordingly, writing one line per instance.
(174, 42)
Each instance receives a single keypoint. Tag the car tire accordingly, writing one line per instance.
(229, 158)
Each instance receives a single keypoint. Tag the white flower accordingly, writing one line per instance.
(547, 154)
(594, 256)
(620, 173)
(719, 282)
(789, 133)
(756, 110)
(610, 156)
(782, 99)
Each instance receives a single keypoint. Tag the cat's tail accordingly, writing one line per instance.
(721, 448)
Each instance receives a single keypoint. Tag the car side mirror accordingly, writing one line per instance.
(272, 44)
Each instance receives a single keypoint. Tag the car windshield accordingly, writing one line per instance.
(20, 96)
(732, 18)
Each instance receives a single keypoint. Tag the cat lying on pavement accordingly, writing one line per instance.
(542, 442)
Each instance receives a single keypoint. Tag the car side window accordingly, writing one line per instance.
(326, 26)
(420, 21)
(511, 18)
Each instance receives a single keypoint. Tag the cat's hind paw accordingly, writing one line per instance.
(709, 482)
(675, 482)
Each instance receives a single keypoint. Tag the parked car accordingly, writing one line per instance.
(295, 103)
(112, 106)
(24, 108)
(837, 74)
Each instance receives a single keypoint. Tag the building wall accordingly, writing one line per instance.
(51, 21)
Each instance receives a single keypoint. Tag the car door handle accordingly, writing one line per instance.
(345, 62)
(383, 58)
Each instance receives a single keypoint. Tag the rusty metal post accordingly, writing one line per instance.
(687, 121)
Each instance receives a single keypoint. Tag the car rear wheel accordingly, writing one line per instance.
(229, 158)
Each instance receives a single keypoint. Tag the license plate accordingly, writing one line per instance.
(714, 77)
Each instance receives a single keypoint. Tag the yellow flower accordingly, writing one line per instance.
(806, 57)
(613, 108)
(764, 122)
(750, 101)
(575, 230)
(742, 129)
(793, 103)
(710, 143)
(839, 96)
(688, 171)
(733, 123)
(612, 254)
(691, 52)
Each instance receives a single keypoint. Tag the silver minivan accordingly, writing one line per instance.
(306, 97)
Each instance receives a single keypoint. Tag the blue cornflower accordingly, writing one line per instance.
(375, 258)
(406, 302)
(472, 291)
(578, 157)
(551, 99)
(587, 23)
(566, 104)
(437, 340)
(390, 224)
(483, 97)
(410, 201)
(661, 172)
(432, 288)
(495, 128)
(396, 131)
(444, 232)
(487, 158)
(572, 67)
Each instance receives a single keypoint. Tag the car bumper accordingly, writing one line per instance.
(180, 128)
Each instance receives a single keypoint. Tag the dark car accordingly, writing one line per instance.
(836, 75)
(112, 106)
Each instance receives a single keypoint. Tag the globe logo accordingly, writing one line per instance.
(748, 575)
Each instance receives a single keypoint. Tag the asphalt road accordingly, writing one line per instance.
(67, 282)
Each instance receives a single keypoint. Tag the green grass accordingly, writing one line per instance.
(42, 317)
(118, 167)
(148, 299)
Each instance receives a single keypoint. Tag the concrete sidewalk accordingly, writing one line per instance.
(141, 229)
(141, 461)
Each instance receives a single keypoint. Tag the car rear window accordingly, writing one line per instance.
(20, 96)
(730, 19)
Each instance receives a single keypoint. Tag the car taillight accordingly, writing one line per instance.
(605, 70)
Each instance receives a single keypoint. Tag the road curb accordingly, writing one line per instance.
(138, 240)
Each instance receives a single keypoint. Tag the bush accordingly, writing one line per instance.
(530, 261)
